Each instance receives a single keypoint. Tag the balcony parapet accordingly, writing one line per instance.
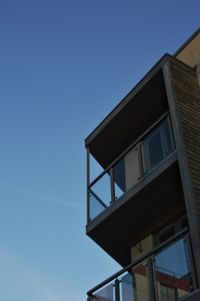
(167, 269)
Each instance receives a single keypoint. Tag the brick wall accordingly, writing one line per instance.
(187, 93)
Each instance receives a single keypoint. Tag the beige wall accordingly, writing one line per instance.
(142, 247)
(131, 168)
(190, 54)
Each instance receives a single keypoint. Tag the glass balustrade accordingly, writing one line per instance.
(173, 272)
(99, 196)
(170, 269)
(104, 294)
(130, 286)
(137, 162)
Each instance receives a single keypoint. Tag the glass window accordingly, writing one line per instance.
(171, 230)
(166, 234)
(157, 145)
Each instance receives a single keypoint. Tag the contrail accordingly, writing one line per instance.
(44, 196)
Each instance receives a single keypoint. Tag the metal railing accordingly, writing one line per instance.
(143, 277)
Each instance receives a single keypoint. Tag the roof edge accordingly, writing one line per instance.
(187, 41)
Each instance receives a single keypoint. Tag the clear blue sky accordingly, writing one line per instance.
(64, 64)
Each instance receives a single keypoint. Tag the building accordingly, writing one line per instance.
(143, 209)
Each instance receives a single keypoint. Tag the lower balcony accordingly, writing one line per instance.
(147, 206)
(164, 274)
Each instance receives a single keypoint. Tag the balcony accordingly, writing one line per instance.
(163, 274)
(146, 154)
(132, 194)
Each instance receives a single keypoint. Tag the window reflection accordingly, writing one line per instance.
(168, 293)
(141, 282)
(170, 269)
(134, 286)
(172, 272)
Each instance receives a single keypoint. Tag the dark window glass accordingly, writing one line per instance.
(166, 234)
(167, 138)
(155, 149)
(157, 145)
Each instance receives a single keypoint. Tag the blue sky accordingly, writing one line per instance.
(63, 66)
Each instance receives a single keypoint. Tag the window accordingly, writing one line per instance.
(157, 145)
(170, 230)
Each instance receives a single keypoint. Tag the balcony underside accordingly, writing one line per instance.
(113, 136)
(155, 200)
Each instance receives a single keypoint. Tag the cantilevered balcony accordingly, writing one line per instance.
(152, 149)
(132, 192)
(165, 273)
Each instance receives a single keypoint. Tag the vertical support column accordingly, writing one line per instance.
(88, 184)
(191, 261)
(117, 290)
(186, 180)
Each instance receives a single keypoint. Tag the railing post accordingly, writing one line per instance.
(150, 277)
(117, 291)
(112, 186)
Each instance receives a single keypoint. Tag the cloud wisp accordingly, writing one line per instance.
(44, 196)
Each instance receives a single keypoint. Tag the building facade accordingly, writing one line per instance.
(143, 208)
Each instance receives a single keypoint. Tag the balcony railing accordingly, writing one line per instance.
(141, 158)
(164, 274)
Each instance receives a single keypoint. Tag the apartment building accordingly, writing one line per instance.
(143, 208)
